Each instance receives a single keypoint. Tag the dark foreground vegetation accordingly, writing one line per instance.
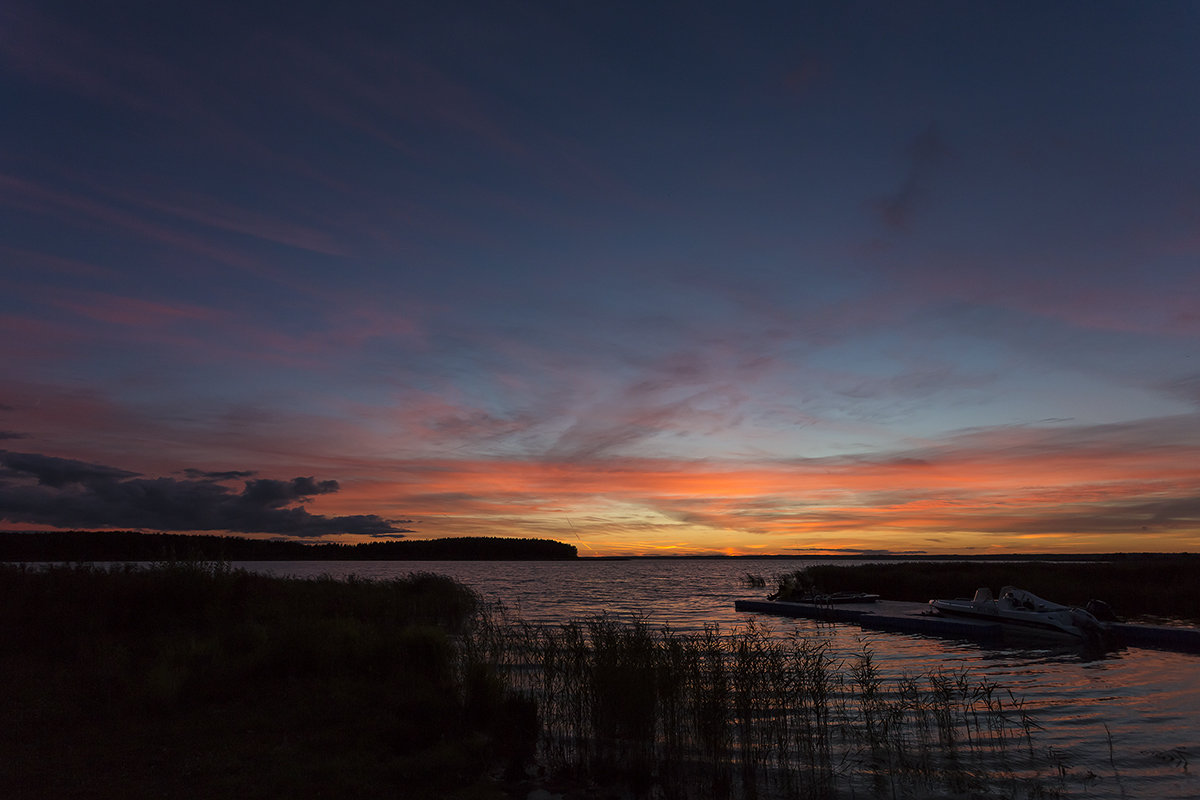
(1135, 586)
(135, 546)
(194, 680)
(745, 714)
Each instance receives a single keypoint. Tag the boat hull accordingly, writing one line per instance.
(1030, 624)
(1018, 609)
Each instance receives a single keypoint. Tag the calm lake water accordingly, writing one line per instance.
(1148, 700)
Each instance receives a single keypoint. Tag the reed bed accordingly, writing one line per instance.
(745, 714)
(1166, 586)
(196, 680)
(191, 679)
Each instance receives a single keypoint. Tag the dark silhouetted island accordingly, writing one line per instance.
(135, 546)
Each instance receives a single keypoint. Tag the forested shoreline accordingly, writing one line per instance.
(136, 546)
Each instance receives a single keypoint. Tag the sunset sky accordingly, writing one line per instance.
(642, 277)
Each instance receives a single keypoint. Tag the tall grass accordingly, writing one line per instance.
(193, 679)
(745, 714)
(196, 678)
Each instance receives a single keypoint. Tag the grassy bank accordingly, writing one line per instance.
(197, 681)
(194, 680)
(1160, 586)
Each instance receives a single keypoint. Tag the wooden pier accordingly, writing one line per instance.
(904, 617)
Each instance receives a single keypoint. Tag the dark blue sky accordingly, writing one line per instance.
(849, 276)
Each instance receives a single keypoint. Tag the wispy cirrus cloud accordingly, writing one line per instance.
(504, 268)
(56, 264)
(407, 103)
(1120, 482)
(283, 227)
(1186, 388)
(132, 312)
(192, 332)
(924, 154)
(89, 212)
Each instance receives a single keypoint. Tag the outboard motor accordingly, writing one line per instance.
(1098, 633)
(1101, 611)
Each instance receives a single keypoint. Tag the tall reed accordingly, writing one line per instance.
(748, 714)
(272, 687)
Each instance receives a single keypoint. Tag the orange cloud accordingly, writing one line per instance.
(972, 500)
(1052, 488)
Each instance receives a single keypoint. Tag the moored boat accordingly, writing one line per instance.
(1021, 609)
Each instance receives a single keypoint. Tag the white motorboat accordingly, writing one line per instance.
(1018, 608)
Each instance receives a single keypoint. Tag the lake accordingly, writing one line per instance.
(1124, 725)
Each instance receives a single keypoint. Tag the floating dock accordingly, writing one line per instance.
(1158, 637)
(904, 617)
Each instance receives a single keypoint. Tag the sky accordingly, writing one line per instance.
(646, 278)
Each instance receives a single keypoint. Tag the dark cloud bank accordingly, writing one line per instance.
(74, 494)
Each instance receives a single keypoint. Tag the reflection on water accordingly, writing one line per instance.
(1123, 725)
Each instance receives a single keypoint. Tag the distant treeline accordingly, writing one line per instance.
(134, 546)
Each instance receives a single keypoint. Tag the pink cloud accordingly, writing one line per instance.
(25, 194)
(132, 312)
(34, 342)
(211, 335)
(59, 265)
(1040, 484)
(216, 213)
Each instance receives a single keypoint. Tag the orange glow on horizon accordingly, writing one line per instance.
(969, 503)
